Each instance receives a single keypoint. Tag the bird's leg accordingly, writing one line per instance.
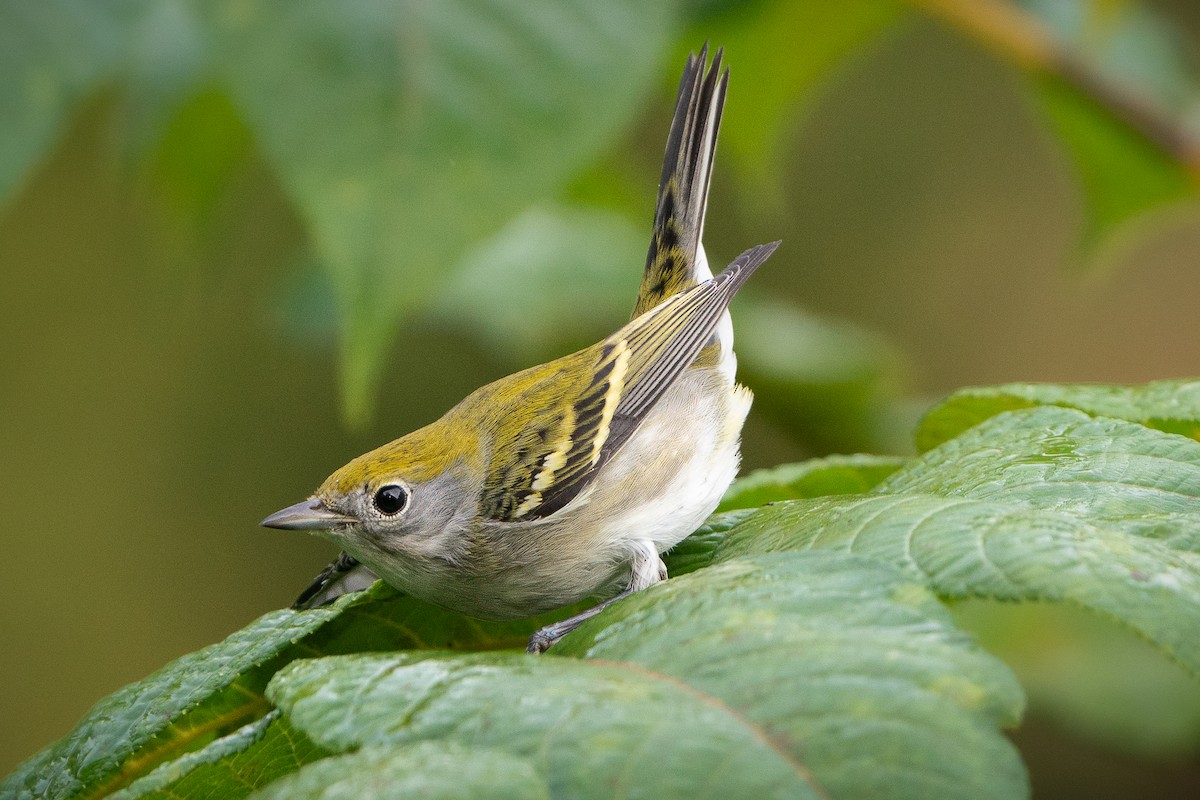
(647, 569)
(343, 576)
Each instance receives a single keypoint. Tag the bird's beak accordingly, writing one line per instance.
(309, 515)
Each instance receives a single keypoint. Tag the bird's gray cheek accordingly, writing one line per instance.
(394, 539)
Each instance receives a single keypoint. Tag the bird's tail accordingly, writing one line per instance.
(676, 260)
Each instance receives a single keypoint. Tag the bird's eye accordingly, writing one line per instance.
(391, 500)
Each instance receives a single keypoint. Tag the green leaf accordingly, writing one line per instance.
(405, 132)
(883, 671)
(214, 691)
(230, 767)
(1171, 406)
(1105, 470)
(184, 705)
(973, 548)
(815, 478)
(430, 771)
(594, 730)
(52, 53)
(1043, 504)
(701, 674)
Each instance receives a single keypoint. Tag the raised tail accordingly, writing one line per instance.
(676, 260)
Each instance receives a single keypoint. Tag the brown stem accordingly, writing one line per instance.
(1020, 37)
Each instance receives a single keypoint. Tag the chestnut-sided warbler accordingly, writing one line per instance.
(566, 480)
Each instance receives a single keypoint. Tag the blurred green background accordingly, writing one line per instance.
(242, 242)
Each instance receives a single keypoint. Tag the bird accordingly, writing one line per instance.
(570, 479)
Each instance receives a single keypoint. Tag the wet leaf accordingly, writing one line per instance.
(431, 771)
(702, 674)
(1044, 504)
(1170, 406)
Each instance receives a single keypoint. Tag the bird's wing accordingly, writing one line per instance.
(557, 456)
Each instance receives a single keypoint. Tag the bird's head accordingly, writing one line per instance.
(409, 488)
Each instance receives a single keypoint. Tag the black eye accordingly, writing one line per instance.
(391, 499)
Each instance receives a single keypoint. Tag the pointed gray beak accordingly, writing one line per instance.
(309, 515)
